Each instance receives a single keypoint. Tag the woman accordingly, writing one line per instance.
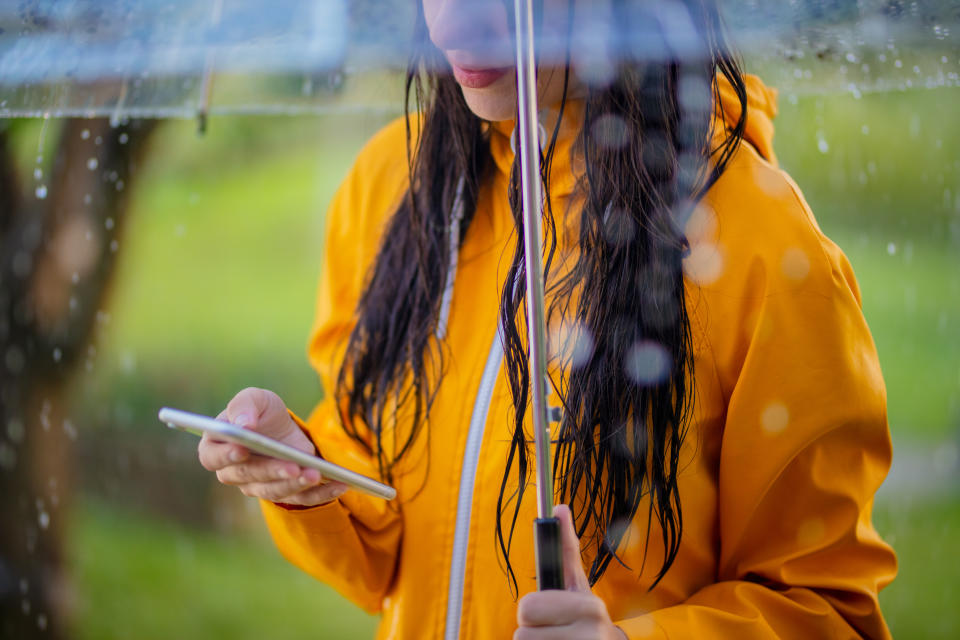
(721, 416)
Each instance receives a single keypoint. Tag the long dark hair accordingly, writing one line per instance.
(625, 402)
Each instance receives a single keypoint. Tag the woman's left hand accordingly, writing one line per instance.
(574, 613)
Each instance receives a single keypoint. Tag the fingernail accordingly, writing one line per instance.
(303, 481)
(339, 491)
(283, 474)
(242, 420)
(235, 456)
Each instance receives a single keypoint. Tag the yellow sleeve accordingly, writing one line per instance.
(350, 543)
(804, 447)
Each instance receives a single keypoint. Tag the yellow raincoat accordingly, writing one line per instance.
(787, 445)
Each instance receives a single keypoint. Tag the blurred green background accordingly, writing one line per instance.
(214, 292)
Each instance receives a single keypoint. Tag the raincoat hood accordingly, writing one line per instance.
(761, 110)
(758, 131)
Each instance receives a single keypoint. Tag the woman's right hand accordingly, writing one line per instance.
(259, 476)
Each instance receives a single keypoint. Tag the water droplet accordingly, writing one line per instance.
(24, 586)
(15, 430)
(114, 245)
(704, 263)
(774, 418)
(98, 140)
(75, 277)
(701, 225)
(128, 362)
(619, 228)
(865, 130)
(22, 263)
(87, 198)
(573, 345)
(8, 457)
(42, 620)
(891, 248)
(92, 164)
(57, 354)
(43, 519)
(41, 192)
(123, 138)
(945, 459)
(14, 359)
(108, 223)
(69, 429)
(25, 606)
(823, 146)
(37, 173)
(610, 131)
(120, 185)
(85, 134)
(694, 94)
(648, 363)
(795, 264)
(180, 230)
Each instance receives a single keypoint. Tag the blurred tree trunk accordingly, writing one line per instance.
(58, 247)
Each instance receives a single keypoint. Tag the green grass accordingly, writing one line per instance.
(220, 259)
(887, 190)
(911, 300)
(144, 578)
(921, 603)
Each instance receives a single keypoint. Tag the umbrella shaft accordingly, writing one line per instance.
(529, 149)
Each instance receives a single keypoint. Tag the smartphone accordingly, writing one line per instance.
(198, 425)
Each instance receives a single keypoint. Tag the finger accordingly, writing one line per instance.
(327, 492)
(573, 575)
(280, 490)
(264, 412)
(557, 608)
(266, 469)
(246, 408)
(216, 454)
(544, 633)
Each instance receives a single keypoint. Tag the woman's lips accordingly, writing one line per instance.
(477, 78)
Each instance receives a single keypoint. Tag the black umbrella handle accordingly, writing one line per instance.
(549, 556)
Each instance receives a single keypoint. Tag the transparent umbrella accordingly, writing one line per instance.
(186, 59)
(181, 58)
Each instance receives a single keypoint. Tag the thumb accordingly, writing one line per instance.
(260, 410)
(573, 575)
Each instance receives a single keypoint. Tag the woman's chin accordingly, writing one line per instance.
(495, 102)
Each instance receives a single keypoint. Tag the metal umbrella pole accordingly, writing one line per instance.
(546, 527)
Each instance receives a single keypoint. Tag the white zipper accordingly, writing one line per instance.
(471, 457)
(454, 248)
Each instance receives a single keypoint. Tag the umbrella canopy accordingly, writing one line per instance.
(157, 59)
